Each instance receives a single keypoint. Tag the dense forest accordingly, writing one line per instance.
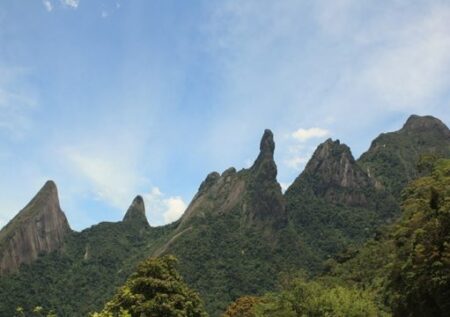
(349, 237)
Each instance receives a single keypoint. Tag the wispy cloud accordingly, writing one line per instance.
(111, 181)
(48, 5)
(296, 162)
(411, 66)
(303, 135)
(71, 3)
(17, 100)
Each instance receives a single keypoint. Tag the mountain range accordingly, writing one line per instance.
(238, 236)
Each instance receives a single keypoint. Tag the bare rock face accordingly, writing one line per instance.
(254, 192)
(38, 228)
(136, 213)
(265, 198)
(333, 174)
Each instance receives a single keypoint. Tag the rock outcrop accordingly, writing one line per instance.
(254, 192)
(136, 213)
(38, 228)
(333, 174)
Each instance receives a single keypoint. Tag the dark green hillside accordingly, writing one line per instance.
(82, 276)
(392, 157)
(240, 234)
(408, 266)
(334, 203)
(235, 237)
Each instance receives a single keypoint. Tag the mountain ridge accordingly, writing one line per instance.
(238, 233)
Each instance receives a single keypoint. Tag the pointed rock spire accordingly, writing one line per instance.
(333, 163)
(136, 212)
(264, 165)
(266, 199)
(38, 228)
(266, 147)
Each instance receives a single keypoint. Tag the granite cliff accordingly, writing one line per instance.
(38, 228)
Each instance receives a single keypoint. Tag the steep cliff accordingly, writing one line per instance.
(136, 213)
(38, 228)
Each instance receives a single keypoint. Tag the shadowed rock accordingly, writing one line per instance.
(38, 228)
(136, 212)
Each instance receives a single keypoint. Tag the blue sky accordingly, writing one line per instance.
(117, 98)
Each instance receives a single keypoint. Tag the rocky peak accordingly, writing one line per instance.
(254, 191)
(392, 157)
(264, 167)
(417, 123)
(332, 173)
(333, 162)
(266, 199)
(38, 228)
(136, 212)
(267, 145)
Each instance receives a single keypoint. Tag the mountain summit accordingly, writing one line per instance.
(417, 123)
(136, 212)
(38, 228)
(392, 157)
(333, 162)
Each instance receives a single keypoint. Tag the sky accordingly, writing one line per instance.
(111, 99)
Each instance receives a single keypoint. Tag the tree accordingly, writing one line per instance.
(318, 299)
(155, 289)
(242, 307)
(419, 282)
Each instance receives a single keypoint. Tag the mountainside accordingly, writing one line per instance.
(38, 228)
(408, 265)
(234, 237)
(335, 203)
(237, 236)
(392, 157)
(83, 274)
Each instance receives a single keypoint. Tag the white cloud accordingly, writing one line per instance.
(104, 14)
(303, 135)
(71, 3)
(161, 209)
(296, 162)
(48, 5)
(175, 209)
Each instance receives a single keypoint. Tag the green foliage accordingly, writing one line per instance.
(155, 289)
(408, 266)
(37, 311)
(393, 157)
(419, 278)
(304, 298)
(242, 307)
(84, 275)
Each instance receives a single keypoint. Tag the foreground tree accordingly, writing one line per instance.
(156, 289)
(419, 281)
(304, 298)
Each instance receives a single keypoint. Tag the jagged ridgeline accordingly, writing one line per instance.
(236, 236)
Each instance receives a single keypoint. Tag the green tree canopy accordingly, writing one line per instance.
(420, 273)
(155, 289)
(303, 298)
